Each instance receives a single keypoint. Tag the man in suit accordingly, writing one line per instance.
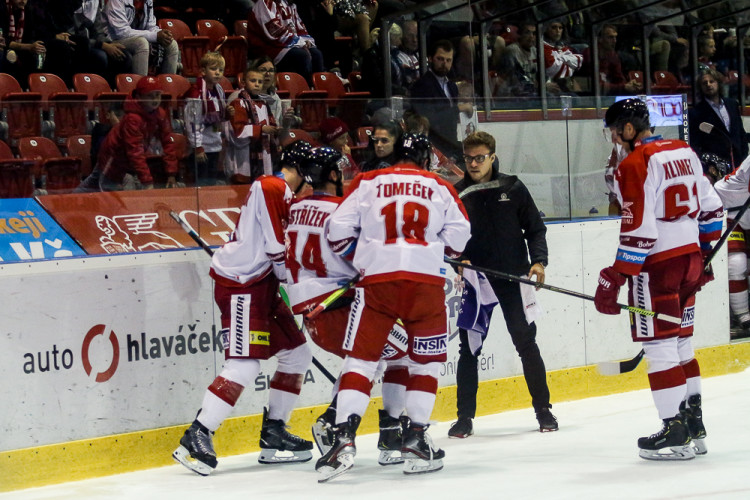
(727, 139)
(436, 98)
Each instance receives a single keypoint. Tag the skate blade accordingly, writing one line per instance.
(547, 429)
(700, 446)
(420, 466)
(271, 456)
(673, 453)
(323, 437)
(390, 457)
(182, 455)
(345, 462)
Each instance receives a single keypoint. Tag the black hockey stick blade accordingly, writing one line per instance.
(618, 367)
(196, 237)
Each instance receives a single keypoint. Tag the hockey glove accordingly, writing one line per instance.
(707, 274)
(605, 299)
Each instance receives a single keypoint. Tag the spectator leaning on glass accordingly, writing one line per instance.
(506, 230)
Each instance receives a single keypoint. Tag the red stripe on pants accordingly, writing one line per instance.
(355, 382)
(692, 369)
(226, 390)
(674, 377)
(396, 376)
(287, 382)
(423, 383)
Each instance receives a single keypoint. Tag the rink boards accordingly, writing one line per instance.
(106, 358)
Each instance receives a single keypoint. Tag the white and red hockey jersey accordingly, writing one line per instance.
(668, 206)
(257, 243)
(246, 144)
(734, 189)
(560, 62)
(405, 220)
(313, 269)
(275, 26)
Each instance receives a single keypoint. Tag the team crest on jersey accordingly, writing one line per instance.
(430, 346)
(627, 212)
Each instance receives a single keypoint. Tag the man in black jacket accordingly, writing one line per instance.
(726, 138)
(506, 229)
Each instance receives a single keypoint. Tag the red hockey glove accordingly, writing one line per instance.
(707, 275)
(605, 298)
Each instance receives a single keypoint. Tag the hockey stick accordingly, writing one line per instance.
(618, 367)
(326, 303)
(727, 231)
(196, 237)
(210, 252)
(510, 277)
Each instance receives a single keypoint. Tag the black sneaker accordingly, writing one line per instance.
(461, 428)
(547, 421)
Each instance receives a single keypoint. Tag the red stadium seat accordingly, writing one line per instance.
(293, 134)
(98, 93)
(174, 87)
(16, 176)
(192, 47)
(233, 48)
(126, 82)
(240, 27)
(21, 110)
(67, 110)
(349, 106)
(666, 83)
(60, 174)
(310, 103)
(79, 146)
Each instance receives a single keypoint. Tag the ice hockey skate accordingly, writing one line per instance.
(196, 450)
(390, 440)
(672, 442)
(692, 415)
(418, 451)
(279, 446)
(340, 458)
(322, 430)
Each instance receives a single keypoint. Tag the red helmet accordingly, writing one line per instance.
(146, 85)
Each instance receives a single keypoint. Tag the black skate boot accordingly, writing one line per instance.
(547, 421)
(418, 451)
(340, 458)
(692, 415)
(672, 442)
(322, 430)
(278, 446)
(391, 438)
(461, 428)
(196, 450)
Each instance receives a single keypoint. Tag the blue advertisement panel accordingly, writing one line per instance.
(27, 232)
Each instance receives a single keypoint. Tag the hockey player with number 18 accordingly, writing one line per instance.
(404, 220)
(670, 215)
(256, 324)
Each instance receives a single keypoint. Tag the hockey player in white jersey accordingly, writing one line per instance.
(256, 324)
(733, 189)
(314, 271)
(670, 215)
(404, 220)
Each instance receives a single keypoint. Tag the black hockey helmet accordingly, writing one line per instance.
(721, 166)
(293, 154)
(317, 166)
(415, 148)
(631, 110)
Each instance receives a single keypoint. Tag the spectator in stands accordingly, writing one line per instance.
(204, 117)
(251, 134)
(355, 17)
(23, 53)
(275, 28)
(132, 24)
(706, 53)
(100, 131)
(106, 58)
(436, 98)
(407, 56)
(727, 139)
(372, 69)
(382, 142)
(335, 133)
(520, 58)
(285, 118)
(122, 157)
(612, 79)
(560, 63)
(468, 65)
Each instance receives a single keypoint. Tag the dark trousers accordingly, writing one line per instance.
(523, 336)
